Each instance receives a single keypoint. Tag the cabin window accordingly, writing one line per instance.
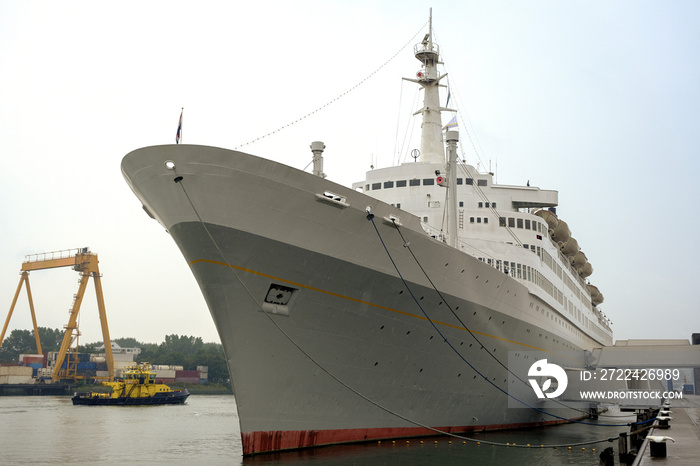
(527, 222)
(461, 203)
(471, 219)
(398, 205)
(459, 180)
(401, 184)
(388, 184)
(468, 181)
(486, 220)
(520, 223)
(376, 186)
(478, 220)
(511, 222)
(481, 182)
(493, 204)
(486, 205)
(414, 182)
(501, 221)
(428, 181)
(481, 204)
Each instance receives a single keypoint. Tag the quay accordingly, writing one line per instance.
(684, 429)
(34, 389)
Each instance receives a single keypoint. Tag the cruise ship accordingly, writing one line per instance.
(383, 310)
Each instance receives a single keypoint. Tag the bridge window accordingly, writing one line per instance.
(414, 182)
(376, 186)
(388, 184)
(401, 184)
(481, 182)
(428, 181)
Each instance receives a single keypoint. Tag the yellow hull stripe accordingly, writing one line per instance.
(378, 306)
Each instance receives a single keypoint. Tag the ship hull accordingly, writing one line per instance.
(174, 398)
(333, 331)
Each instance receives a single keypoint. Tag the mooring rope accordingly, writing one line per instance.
(179, 180)
(370, 217)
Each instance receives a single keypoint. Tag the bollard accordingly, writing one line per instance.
(657, 449)
(657, 445)
(663, 421)
(622, 448)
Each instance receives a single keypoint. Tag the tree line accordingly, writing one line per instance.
(177, 350)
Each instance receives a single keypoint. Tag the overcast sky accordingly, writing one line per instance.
(599, 100)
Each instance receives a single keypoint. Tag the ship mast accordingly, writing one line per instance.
(428, 53)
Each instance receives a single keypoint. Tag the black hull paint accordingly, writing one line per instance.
(174, 398)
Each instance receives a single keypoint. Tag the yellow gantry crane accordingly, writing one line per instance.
(84, 262)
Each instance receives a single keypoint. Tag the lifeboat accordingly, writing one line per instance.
(578, 260)
(586, 270)
(570, 248)
(561, 232)
(596, 295)
(549, 217)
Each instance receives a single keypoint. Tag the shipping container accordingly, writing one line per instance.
(16, 379)
(182, 373)
(187, 379)
(122, 364)
(203, 369)
(86, 366)
(21, 371)
(31, 358)
(127, 357)
(168, 374)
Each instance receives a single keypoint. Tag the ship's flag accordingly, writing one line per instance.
(178, 136)
(452, 123)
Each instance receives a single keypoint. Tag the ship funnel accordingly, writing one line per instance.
(317, 148)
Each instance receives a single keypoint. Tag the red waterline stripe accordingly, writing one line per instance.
(269, 441)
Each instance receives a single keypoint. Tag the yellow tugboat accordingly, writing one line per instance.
(138, 387)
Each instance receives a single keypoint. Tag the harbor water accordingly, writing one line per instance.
(50, 430)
